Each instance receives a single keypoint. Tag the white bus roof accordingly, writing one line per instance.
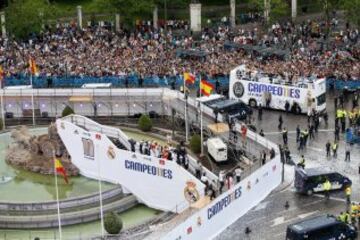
(301, 82)
(96, 85)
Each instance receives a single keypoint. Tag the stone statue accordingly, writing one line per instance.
(36, 153)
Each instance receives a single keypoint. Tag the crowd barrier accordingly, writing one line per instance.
(116, 81)
(150, 81)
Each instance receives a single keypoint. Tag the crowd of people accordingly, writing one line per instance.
(99, 51)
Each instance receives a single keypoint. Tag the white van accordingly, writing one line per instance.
(217, 149)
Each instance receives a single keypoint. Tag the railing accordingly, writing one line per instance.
(67, 203)
(93, 126)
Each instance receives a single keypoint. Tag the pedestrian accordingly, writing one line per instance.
(328, 146)
(221, 180)
(297, 133)
(326, 118)
(285, 136)
(263, 158)
(260, 112)
(348, 194)
(327, 188)
(302, 162)
(280, 122)
(238, 173)
(347, 152)
(301, 141)
(197, 169)
(287, 107)
(306, 135)
(261, 133)
(334, 148)
(337, 133)
(311, 132)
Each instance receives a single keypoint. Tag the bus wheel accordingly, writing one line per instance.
(252, 103)
(298, 110)
(309, 192)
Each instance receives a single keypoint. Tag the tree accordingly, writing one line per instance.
(145, 123)
(112, 223)
(128, 9)
(278, 8)
(328, 6)
(352, 8)
(1, 124)
(26, 17)
(67, 111)
(195, 143)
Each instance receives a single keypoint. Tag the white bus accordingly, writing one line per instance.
(273, 92)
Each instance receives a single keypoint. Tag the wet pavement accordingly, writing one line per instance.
(270, 218)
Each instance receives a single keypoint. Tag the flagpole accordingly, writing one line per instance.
(2, 104)
(100, 200)
(186, 118)
(57, 196)
(201, 123)
(32, 100)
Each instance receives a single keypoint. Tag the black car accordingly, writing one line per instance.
(321, 228)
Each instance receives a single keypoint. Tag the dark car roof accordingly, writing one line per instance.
(313, 223)
(310, 172)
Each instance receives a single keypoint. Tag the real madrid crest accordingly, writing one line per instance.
(111, 153)
(190, 192)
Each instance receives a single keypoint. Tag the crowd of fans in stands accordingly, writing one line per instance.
(98, 51)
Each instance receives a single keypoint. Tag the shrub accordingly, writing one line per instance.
(112, 223)
(195, 143)
(67, 111)
(145, 123)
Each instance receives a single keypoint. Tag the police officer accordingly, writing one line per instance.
(334, 148)
(354, 212)
(327, 188)
(285, 136)
(348, 194)
(302, 162)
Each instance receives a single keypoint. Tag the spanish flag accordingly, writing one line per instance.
(189, 78)
(60, 169)
(206, 88)
(2, 75)
(32, 67)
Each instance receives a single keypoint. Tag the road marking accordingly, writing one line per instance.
(331, 198)
(260, 206)
(305, 215)
(278, 221)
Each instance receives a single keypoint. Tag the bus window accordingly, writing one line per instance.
(321, 99)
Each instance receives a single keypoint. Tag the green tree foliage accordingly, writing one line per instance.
(112, 223)
(195, 143)
(129, 10)
(278, 8)
(328, 6)
(145, 123)
(24, 17)
(67, 111)
(352, 8)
